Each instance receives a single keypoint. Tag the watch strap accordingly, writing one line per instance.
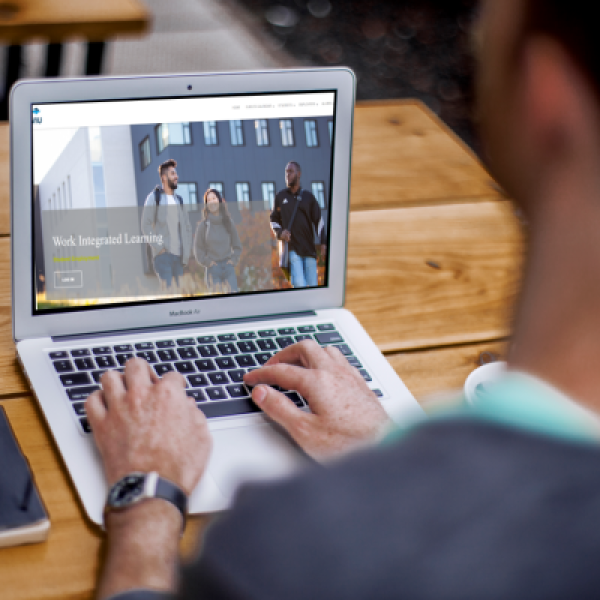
(174, 494)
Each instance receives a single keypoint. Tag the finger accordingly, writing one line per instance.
(306, 353)
(95, 408)
(281, 409)
(113, 386)
(138, 373)
(175, 380)
(289, 377)
(336, 355)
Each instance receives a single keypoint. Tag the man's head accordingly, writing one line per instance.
(292, 174)
(538, 82)
(168, 174)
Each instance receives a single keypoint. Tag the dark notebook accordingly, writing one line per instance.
(23, 518)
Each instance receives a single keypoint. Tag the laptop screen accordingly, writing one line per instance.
(160, 199)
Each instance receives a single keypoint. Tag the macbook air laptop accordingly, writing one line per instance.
(106, 265)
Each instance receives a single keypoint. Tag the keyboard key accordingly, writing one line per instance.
(248, 335)
(225, 362)
(98, 374)
(163, 368)
(354, 362)
(299, 338)
(186, 342)
(247, 347)
(238, 391)
(85, 363)
(208, 351)
(197, 380)
(165, 344)
(75, 379)
(81, 393)
(236, 376)
(263, 357)
(63, 366)
(206, 365)
(227, 349)
(227, 337)
(378, 393)
(267, 333)
(123, 358)
(79, 408)
(102, 350)
(326, 327)
(185, 367)
(148, 356)
(306, 329)
(331, 337)
(207, 339)
(187, 353)
(59, 354)
(284, 342)
(365, 375)
(218, 378)
(267, 345)
(144, 346)
(344, 349)
(80, 352)
(105, 362)
(85, 425)
(167, 355)
(238, 406)
(197, 395)
(123, 348)
(287, 331)
(216, 393)
(295, 398)
(245, 361)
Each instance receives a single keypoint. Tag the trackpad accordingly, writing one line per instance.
(254, 453)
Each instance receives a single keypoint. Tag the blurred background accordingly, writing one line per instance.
(397, 48)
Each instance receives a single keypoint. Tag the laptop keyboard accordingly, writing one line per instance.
(213, 365)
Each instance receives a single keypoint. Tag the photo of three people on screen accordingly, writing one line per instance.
(215, 245)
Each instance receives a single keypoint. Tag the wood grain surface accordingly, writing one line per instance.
(404, 155)
(4, 189)
(59, 20)
(434, 275)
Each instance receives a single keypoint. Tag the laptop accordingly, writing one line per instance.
(90, 287)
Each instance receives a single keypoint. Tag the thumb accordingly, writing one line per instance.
(279, 407)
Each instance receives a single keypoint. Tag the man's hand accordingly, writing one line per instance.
(345, 412)
(286, 236)
(143, 423)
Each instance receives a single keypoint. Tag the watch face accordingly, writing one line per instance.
(127, 490)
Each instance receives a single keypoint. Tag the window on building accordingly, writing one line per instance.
(210, 133)
(310, 127)
(318, 190)
(237, 133)
(216, 185)
(172, 134)
(262, 132)
(287, 132)
(189, 193)
(242, 192)
(145, 157)
(268, 193)
(330, 126)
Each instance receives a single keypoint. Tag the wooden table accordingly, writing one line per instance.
(433, 268)
(56, 21)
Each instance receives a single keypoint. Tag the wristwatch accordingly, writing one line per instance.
(135, 487)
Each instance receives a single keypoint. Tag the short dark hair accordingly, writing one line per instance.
(163, 167)
(573, 24)
(293, 162)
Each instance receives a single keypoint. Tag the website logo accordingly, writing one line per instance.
(36, 119)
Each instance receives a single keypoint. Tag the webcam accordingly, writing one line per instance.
(189, 87)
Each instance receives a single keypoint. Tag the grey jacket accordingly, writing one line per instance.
(214, 243)
(155, 222)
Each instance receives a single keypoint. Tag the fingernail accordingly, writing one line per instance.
(259, 394)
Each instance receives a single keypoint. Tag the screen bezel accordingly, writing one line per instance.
(175, 312)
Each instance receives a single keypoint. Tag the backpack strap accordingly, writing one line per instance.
(157, 192)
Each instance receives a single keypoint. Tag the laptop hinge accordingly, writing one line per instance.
(244, 320)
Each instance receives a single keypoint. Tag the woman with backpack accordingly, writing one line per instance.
(217, 244)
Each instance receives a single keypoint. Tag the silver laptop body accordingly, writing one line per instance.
(83, 169)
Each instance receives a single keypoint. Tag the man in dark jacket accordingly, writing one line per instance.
(500, 502)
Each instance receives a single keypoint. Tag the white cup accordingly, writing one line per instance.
(478, 379)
